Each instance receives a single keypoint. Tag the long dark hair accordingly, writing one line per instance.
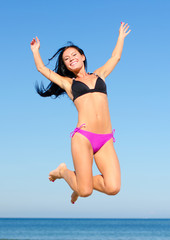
(53, 89)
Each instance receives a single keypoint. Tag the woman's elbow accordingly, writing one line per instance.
(39, 69)
(118, 57)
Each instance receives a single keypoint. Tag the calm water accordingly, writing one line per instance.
(85, 229)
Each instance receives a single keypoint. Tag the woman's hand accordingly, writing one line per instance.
(123, 30)
(35, 44)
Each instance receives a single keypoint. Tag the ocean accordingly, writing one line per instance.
(84, 229)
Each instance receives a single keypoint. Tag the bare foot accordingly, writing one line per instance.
(57, 173)
(74, 197)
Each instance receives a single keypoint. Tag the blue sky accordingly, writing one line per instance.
(35, 131)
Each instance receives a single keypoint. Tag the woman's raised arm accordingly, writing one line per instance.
(51, 75)
(108, 67)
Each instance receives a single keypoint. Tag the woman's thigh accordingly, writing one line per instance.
(108, 164)
(82, 154)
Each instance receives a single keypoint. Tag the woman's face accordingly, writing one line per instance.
(73, 60)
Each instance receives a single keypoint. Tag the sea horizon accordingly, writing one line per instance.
(84, 228)
(117, 218)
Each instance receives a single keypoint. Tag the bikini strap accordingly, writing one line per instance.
(95, 74)
(113, 132)
(76, 130)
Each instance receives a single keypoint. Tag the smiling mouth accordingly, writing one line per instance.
(73, 63)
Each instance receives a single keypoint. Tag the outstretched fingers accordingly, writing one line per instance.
(128, 32)
(38, 40)
(35, 44)
(124, 29)
(35, 41)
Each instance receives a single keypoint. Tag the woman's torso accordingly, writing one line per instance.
(93, 107)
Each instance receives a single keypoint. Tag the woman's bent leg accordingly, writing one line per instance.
(82, 154)
(81, 181)
(108, 164)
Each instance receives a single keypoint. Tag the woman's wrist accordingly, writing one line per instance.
(34, 51)
(121, 37)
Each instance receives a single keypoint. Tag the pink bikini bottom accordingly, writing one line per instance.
(96, 140)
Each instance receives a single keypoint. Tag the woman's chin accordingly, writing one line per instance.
(75, 69)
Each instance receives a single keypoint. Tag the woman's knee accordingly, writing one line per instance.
(85, 191)
(112, 189)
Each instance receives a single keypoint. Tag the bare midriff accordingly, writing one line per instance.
(93, 110)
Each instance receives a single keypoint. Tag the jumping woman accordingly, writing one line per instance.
(93, 136)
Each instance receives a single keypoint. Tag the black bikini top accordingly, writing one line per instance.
(79, 88)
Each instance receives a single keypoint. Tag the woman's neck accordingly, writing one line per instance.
(81, 73)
